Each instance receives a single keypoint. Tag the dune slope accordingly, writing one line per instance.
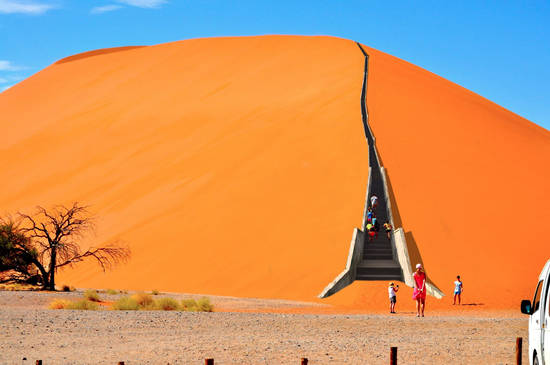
(232, 166)
(238, 166)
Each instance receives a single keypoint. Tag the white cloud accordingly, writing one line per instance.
(143, 3)
(23, 7)
(8, 66)
(104, 9)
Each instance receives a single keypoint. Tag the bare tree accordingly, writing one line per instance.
(55, 236)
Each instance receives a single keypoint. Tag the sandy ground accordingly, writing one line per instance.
(28, 329)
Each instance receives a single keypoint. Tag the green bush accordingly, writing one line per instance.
(155, 292)
(126, 304)
(82, 304)
(111, 292)
(92, 295)
(167, 304)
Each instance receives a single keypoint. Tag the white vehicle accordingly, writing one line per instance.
(539, 320)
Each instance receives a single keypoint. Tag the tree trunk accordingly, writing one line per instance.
(53, 258)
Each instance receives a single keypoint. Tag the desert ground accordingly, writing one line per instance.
(250, 331)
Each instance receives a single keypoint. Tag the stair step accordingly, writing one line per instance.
(371, 277)
(392, 270)
(378, 249)
(378, 257)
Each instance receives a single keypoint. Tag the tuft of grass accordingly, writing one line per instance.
(111, 292)
(167, 304)
(155, 292)
(189, 305)
(144, 300)
(204, 305)
(82, 304)
(92, 295)
(126, 304)
(59, 304)
(201, 305)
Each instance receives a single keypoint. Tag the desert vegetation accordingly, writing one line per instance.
(138, 301)
(33, 247)
(143, 301)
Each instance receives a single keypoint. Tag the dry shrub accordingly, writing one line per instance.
(59, 304)
(189, 305)
(126, 304)
(166, 304)
(155, 292)
(144, 300)
(204, 305)
(68, 288)
(82, 304)
(201, 305)
(111, 292)
(92, 295)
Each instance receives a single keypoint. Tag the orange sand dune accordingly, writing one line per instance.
(238, 166)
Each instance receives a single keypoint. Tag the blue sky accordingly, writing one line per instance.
(498, 49)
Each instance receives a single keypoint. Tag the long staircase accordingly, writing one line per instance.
(378, 260)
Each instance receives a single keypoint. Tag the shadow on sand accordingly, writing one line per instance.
(412, 247)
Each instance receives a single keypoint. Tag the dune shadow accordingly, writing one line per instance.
(414, 253)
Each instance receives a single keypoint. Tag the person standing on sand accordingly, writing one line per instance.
(374, 201)
(392, 289)
(459, 287)
(419, 293)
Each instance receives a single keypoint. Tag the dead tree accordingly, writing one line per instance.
(55, 236)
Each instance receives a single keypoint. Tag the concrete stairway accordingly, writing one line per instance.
(378, 261)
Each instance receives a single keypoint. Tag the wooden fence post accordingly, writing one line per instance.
(304, 361)
(38, 362)
(393, 355)
(121, 363)
(519, 343)
(208, 361)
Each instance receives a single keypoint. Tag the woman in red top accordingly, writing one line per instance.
(419, 293)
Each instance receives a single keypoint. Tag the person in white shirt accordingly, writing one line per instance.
(392, 289)
(459, 288)
(374, 201)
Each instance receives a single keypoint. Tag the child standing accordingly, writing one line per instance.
(459, 287)
(392, 289)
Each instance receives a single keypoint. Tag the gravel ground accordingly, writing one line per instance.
(28, 329)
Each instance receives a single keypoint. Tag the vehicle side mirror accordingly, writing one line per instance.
(526, 307)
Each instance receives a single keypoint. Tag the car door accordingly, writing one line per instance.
(545, 331)
(535, 325)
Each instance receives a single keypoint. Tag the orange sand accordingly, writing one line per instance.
(238, 166)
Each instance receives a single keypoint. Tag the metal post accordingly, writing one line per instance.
(208, 361)
(304, 361)
(121, 363)
(38, 362)
(393, 355)
(519, 343)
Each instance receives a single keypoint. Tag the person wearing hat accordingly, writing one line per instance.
(419, 293)
(392, 289)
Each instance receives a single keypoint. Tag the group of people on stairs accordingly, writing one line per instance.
(373, 226)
